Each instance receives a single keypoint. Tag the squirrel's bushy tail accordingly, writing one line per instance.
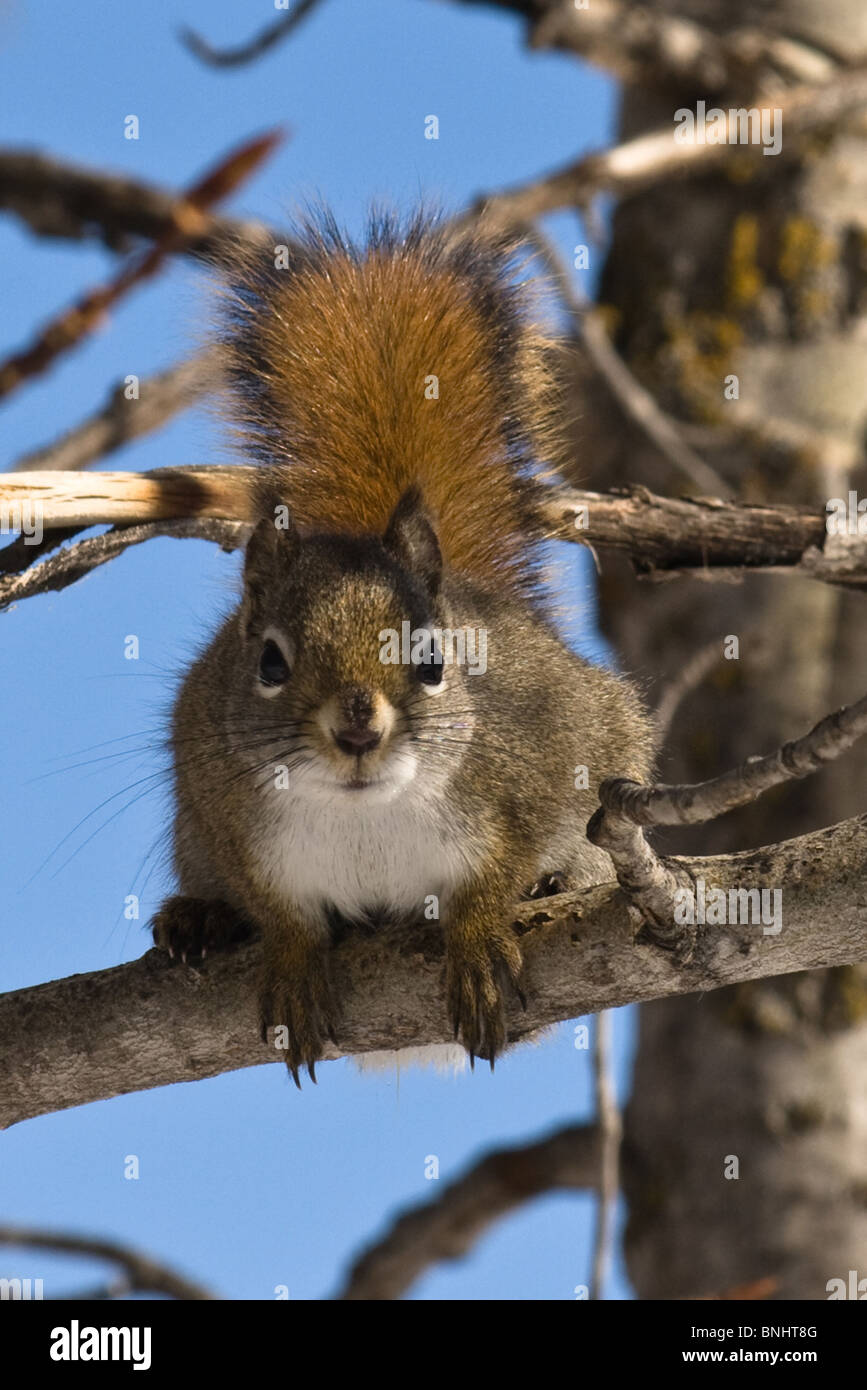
(409, 359)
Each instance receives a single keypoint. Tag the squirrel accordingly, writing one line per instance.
(332, 762)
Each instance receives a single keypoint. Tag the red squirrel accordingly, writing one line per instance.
(331, 761)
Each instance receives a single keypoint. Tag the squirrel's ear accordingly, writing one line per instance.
(412, 540)
(273, 545)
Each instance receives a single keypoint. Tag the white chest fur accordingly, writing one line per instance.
(358, 853)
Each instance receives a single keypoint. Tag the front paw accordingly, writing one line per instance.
(479, 974)
(194, 926)
(299, 1007)
(547, 884)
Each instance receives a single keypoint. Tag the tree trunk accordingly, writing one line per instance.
(761, 273)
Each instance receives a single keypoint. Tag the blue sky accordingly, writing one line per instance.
(244, 1183)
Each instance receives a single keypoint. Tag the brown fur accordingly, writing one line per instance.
(327, 363)
(339, 347)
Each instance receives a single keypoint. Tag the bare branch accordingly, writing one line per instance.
(638, 44)
(152, 1022)
(662, 535)
(70, 565)
(104, 499)
(190, 219)
(121, 419)
(692, 675)
(648, 159)
(610, 1129)
(653, 884)
(62, 200)
(448, 1227)
(142, 1274)
(248, 52)
(637, 403)
(691, 804)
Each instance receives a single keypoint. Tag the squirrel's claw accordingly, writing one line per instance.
(550, 883)
(193, 926)
(478, 975)
(300, 1006)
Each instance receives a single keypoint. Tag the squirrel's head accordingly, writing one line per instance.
(349, 658)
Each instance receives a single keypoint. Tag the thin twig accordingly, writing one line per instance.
(68, 566)
(654, 885)
(121, 419)
(248, 52)
(635, 400)
(648, 159)
(190, 220)
(694, 803)
(143, 1275)
(57, 199)
(691, 676)
(610, 1127)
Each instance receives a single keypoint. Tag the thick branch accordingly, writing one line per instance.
(662, 535)
(152, 1023)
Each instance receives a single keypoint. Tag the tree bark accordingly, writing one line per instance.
(153, 1022)
(763, 276)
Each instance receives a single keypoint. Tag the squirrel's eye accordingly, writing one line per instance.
(273, 666)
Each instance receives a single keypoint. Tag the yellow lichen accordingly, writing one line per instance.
(804, 249)
(744, 279)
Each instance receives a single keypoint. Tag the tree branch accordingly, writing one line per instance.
(662, 535)
(636, 402)
(248, 52)
(120, 419)
(692, 804)
(57, 199)
(191, 217)
(68, 566)
(447, 1228)
(653, 884)
(154, 1022)
(143, 1274)
(648, 159)
(610, 1128)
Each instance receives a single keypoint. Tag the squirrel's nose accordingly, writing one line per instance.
(356, 741)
